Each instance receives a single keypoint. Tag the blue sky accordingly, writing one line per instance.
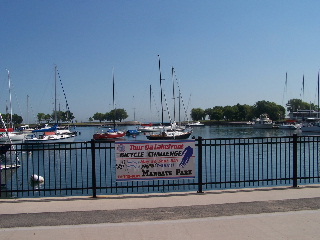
(224, 53)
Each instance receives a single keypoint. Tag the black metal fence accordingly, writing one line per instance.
(89, 168)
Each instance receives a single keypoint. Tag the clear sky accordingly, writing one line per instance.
(224, 53)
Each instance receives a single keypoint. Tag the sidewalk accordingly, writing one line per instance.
(264, 213)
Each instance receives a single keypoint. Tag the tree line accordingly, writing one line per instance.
(228, 113)
(56, 116)
(16, 119)
(114, 115)
(247, 113)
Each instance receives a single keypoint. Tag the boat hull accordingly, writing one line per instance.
(164, 136)
(195, 124)
(51, 138)
(132, 132)
(12, 136)
(262, 126)
(310, 129)
(289, 127)
(107, 135)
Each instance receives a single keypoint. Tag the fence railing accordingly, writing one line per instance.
(89, 168)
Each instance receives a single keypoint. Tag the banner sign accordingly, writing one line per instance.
(149, 160)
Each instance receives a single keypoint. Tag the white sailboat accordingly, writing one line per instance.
(171, 133)
(51, 134)
(312, 125)
(8, 135)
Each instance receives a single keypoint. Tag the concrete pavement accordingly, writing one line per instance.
(264, 213)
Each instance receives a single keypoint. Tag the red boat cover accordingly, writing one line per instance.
(8, 129)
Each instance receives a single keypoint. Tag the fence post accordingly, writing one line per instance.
(295, 160)
(93, 160)
(199, 165)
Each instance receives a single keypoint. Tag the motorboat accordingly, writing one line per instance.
(25, 129)
(263, 122)
(290, 125)
(311, 125)
(195, 124)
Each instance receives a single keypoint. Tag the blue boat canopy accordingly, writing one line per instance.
(51, 129)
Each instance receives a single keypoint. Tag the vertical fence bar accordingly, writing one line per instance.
(295, 160)
(200, 165)
(93, 154)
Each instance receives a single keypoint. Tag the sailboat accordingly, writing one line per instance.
(313, 124)
(8, 134)
(111, 133)
(51, 134)
(172, 133)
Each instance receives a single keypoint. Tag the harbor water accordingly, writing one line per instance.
(58, 166)
(220, 131)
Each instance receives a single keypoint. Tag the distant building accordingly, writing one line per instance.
(304, 114)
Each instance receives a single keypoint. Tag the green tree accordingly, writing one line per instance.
(230, 113)
(47, 118)
(6, 118)
(274, 111)
(99, 117)
(16, 119)
(297, 104)
(245, 112)
(68, 116)
(208, 112)
(197, 114)
(217, 113)
(41, 117)
(57, 116)
(117, 114)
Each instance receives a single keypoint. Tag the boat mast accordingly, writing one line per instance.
(114, 111)
(55, 94)
(134, 110)
(318, 94)
(27, 109)
(161, 92)
(10, 103)
(150, 96)
(173, 95)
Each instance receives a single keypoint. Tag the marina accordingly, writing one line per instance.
(233, 157)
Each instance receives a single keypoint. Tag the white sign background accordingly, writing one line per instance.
(148, 160)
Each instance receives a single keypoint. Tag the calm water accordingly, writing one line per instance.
(86, 133)
(53, 165)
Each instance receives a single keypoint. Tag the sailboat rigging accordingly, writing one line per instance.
(8, 133)
(313, 125)
(171, 133)
(52, 134)
(111, 133)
